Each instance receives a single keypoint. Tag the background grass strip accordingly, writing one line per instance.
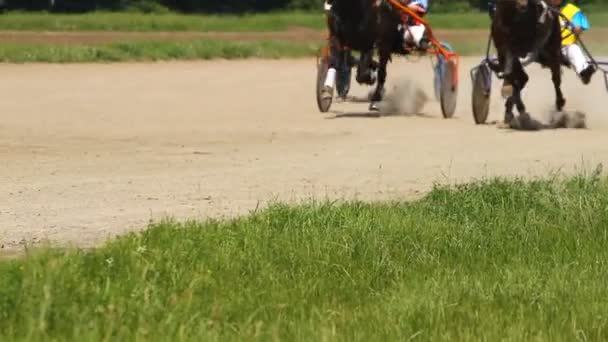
(153, 51)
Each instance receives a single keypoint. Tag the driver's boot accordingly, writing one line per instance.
(587, 73)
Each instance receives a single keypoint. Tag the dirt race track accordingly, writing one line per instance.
(91, 151)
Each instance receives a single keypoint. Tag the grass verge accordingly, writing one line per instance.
(263, 22)
(491, 260)
(153, 51)
(215, 23)
(125, 22)
(205, 23)
(188, 50)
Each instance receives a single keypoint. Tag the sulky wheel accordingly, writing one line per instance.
(482, 86)
(448, 90)
(322, 67)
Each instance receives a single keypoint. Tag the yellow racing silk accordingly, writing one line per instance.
(568, 11)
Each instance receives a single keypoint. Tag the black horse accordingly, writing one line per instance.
(526, 29)
(364, 26)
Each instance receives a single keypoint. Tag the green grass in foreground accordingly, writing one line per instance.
(499, 260)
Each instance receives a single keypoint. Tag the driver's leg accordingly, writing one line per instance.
(575, 55)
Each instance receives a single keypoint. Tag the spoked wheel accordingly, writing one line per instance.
(437, 79)
(322, 67)
(482, 86)
(448, 94)
(446, 89)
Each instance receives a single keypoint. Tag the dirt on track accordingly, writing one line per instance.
(90, 151)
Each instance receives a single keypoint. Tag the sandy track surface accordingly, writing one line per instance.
(91, 151)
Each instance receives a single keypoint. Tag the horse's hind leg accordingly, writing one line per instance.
(509, 104)
(377, 97)
(364, 72)
(525, 120)
(521, 80)
(508, 66)
(556, 77)
(330, 79)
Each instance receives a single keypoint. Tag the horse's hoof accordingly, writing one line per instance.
(560, 105)
(375, 96)
(373, 77)
(528, 123)
(506, 91)
(374, 107)
(326, 93)
(502, 125)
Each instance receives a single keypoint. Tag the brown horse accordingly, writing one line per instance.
(526, 29)
(365, 25)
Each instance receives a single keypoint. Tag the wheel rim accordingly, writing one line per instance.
(322, 66)
(449, 92)
(481, 95)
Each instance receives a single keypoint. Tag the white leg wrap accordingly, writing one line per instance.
(330, 80)
(414, 33)
(576, 57)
